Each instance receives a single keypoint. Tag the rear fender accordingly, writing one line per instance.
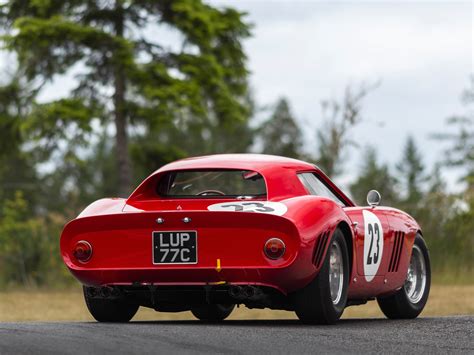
(316, 219)
(103, 206)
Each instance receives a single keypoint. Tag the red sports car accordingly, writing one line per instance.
(207, 233)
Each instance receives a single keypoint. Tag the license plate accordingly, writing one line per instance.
(175, 247)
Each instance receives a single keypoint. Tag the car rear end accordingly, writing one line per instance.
(174, 246)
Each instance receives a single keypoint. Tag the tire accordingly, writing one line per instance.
(314, 304)
(110, 310)
(213, 312)
(404, 304)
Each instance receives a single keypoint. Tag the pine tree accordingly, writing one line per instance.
(280, 134)
(126, 73)
(373, 176)
(460, 154)
(436, 207)
(17, 168)
(411, 172)
(455, 250)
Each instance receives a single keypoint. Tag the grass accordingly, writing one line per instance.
(19, 306)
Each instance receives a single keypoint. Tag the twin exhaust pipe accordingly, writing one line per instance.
(103, 292)
(248, 292)
(240, 293)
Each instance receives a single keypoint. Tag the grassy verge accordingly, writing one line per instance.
(69, 306)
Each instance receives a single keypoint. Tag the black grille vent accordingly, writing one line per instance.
(396, 251)
(320, 247)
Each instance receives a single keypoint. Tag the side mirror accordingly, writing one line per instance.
(373, 198)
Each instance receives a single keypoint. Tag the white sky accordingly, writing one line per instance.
(422, 52)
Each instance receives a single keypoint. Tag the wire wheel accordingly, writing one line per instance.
(336, 272)
(415, 282)
(408, 302)
(323, 300)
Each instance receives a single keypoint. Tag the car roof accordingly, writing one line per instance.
(277, 171)
(254, 162)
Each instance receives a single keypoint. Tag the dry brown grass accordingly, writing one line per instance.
(69, 306)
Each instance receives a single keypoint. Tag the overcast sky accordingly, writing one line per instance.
(307, 51)
(310, 50)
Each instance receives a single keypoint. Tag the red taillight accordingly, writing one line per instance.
(274, 248)
(82, 251)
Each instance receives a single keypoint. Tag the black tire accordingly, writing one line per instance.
(314, 304)
(399, 305)
(213, 312)
(110, 310)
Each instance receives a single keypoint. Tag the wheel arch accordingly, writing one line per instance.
(346, 231)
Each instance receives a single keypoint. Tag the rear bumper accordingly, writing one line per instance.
(285, 280)
(183, 298)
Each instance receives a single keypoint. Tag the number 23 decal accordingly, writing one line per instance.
(254, 206)
(373, 244)
(268, 207)
(374, 234)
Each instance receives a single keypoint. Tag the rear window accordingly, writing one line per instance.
(212, 183)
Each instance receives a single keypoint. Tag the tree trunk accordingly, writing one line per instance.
(121, 137)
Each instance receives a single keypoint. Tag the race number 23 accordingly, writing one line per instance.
(373, 244)
(374, 234)
(267, 207)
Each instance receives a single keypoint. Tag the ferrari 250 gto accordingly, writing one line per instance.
(206, 234)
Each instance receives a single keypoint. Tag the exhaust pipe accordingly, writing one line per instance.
(105, 292)
(236, 292)
(115, 292)
(249, 292)
(92, 292)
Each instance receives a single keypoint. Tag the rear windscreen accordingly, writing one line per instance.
(212, 183)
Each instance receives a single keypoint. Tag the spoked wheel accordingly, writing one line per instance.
(415, 283)
(324, 299)
(118, 310)
(336, 272)
(213, 312)
(409, 301)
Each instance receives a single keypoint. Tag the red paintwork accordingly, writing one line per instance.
(120, 231)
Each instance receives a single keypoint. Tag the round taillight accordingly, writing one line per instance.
(274, 248)
(82, 251)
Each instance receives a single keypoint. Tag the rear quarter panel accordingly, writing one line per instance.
(314, 215)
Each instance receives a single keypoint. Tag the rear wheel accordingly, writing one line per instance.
(409, 301)
(212, 312)
(118, 310)
(324, 299)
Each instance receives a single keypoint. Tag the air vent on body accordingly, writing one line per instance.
(320, 247)
(396, 251)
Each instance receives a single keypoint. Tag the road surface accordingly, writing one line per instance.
(424, 335)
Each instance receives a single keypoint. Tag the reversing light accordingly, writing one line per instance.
(274, 248)
(82, 251)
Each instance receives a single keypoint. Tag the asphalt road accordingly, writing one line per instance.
(425, 335)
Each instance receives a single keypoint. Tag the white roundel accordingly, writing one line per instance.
(276, 208)
(373, 244)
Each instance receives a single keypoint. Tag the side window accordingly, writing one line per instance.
(317, 188)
